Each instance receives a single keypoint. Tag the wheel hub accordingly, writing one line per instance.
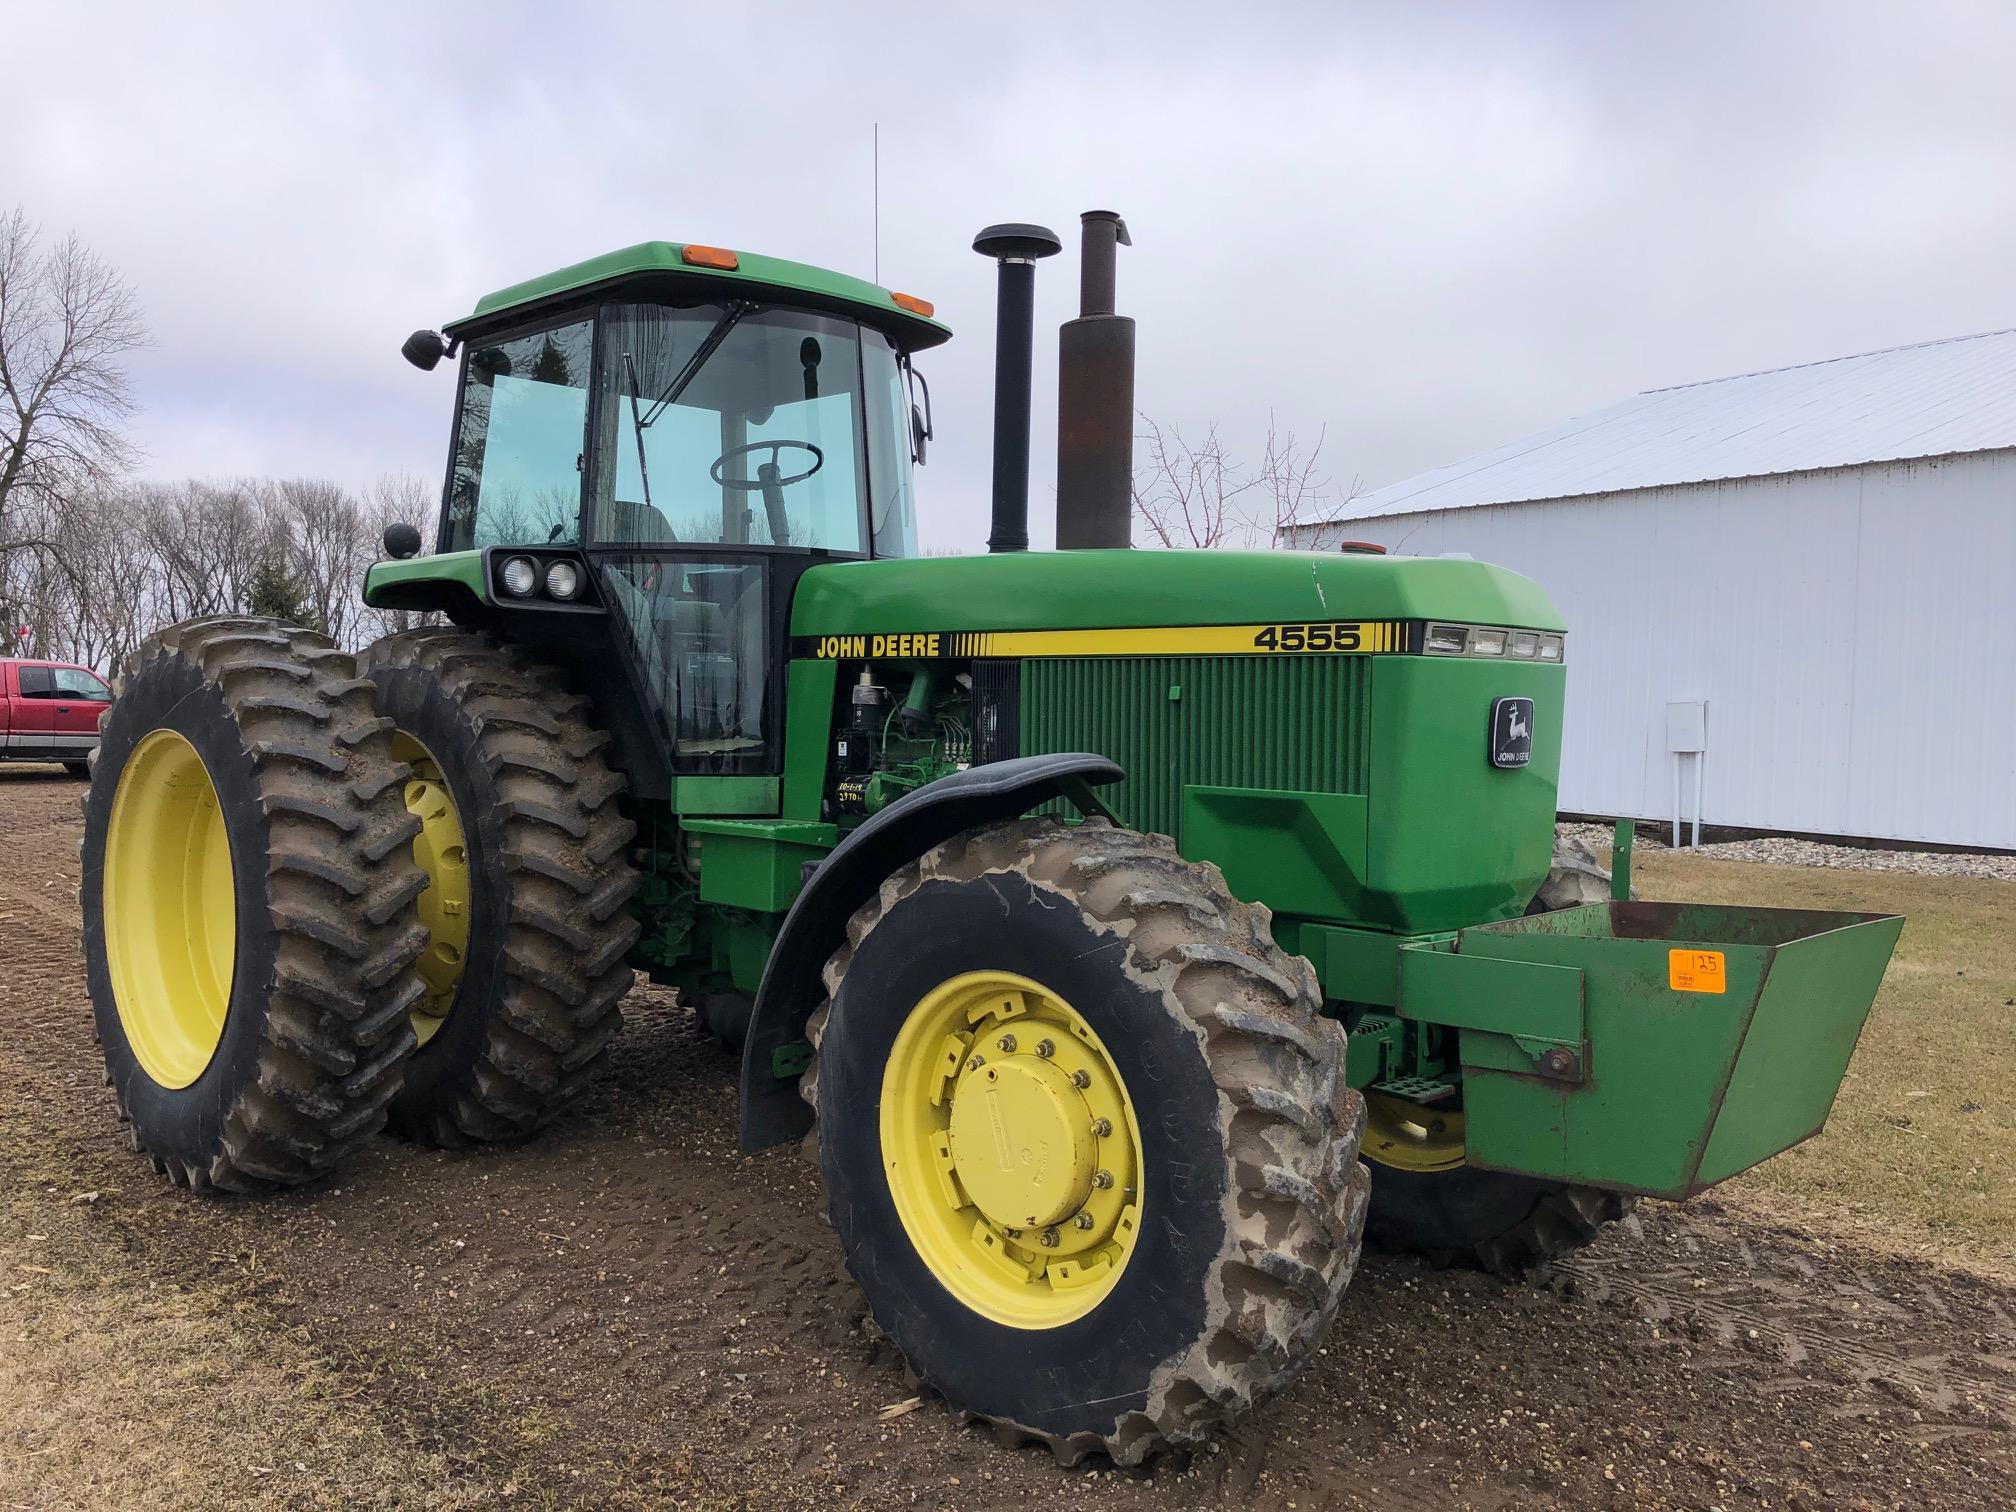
(1011, 1149)
(1410, 1136)
(1022, 1144)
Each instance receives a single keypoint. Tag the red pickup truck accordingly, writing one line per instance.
(49, 712)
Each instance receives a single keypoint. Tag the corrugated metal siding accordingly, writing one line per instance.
(1294, 722)
(1854, 634)
(1929, 400)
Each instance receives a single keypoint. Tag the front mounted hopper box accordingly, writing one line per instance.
(1655, 1048)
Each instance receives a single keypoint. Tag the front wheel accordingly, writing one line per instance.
(1085, 1136)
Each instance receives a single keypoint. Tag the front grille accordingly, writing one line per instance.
(1288, 722)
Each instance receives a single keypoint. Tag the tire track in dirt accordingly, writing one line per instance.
(1784, 1304)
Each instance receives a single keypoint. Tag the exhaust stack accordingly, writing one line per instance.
(1095, 400)
(1016, 248)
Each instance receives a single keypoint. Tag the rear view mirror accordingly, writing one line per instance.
(424, 349)
(919, 434)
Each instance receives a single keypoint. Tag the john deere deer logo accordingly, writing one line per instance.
(1511, 742)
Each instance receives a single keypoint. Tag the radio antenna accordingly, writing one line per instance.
(877, 200)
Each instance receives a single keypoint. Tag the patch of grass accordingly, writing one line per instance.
(1919, 1153)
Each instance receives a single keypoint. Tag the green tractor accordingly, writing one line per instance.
(1132, 931)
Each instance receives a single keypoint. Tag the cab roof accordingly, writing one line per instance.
(796, 283)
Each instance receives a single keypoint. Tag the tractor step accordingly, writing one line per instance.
(1415, 1089)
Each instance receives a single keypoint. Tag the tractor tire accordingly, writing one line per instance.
(524, 846)
(1206, 1255)
(1489, 1220)
(247, 898)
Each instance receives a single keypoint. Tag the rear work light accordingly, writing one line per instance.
(563, 580)
(520, 577)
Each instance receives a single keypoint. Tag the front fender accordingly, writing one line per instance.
(772, 1111)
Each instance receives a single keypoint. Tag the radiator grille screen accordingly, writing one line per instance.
(1293, 722)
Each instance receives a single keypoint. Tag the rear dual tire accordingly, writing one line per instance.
(247, 899)
(525, 991)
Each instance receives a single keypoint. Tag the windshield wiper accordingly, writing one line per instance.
(737, 308)
(637, 427)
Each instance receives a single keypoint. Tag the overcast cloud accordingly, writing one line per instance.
(1428, 228)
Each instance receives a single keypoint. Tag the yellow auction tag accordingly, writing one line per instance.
(1696, 971)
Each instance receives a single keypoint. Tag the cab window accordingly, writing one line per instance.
(520, 440)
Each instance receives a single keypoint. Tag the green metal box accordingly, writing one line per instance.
(1710, 1038)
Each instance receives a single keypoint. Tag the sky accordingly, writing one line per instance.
(1419, 230)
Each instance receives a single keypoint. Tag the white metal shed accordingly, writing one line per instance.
(1824, 555)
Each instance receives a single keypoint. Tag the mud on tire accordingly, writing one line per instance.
(538, 1001)
(315, 1032)
(1253, 1194)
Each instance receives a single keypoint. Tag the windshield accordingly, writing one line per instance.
(731, 425)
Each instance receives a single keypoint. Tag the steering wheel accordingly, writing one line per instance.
(776, 476)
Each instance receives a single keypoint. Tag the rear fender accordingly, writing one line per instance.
(772, 1110)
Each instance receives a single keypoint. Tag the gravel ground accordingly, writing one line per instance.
(1785, 851)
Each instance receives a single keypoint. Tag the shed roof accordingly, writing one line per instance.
(1927, 400)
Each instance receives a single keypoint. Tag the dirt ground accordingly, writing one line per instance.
(627, 1313)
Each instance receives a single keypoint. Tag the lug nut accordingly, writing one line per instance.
(1102, 1128)
(1083, 1221)
(1081, 1080)
(1013, 1233)
(1049, 1238)
(1045, 1049)
(976, 1063)
(1102, 1180)
(1006, 1044)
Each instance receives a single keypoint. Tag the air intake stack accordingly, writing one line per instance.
(1016, 248)
(1095, 400)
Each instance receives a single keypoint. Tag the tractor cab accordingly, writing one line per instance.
(667, 437)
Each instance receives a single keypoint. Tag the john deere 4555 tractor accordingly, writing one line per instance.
(1126, 925)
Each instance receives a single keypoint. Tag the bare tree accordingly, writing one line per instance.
(66, 320)
(1196, 494)
(394, 499)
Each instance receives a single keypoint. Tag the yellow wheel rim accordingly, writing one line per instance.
(442, 852)
(1411, 1136)
(1012, 1150)
(171, 911)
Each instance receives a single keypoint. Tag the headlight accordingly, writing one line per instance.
(1487, 642)
(563, 580)
(1525, 643)
(520, 577)
(1550, 648)
(1447, 640)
